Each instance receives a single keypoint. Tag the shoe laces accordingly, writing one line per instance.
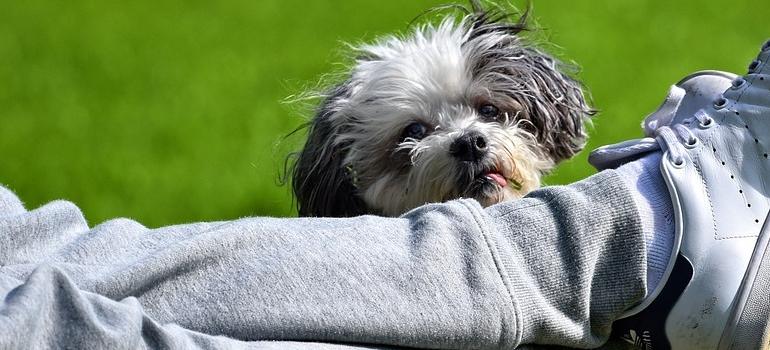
(675, 138)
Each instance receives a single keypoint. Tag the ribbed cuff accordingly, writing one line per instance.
(574, 258)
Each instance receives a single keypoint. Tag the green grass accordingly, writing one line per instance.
(169, 111)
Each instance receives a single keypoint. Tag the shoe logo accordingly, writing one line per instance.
(640, 341)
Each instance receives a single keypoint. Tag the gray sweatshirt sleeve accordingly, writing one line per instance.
(556, 267)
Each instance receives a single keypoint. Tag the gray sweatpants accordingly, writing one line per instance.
(555, 267)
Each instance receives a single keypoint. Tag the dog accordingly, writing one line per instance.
(465, 108)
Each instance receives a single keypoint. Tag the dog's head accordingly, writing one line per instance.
(460, 109)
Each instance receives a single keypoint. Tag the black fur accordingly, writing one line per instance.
(557, 117)
(321, 183)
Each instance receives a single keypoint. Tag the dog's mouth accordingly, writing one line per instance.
(496, 177)
(487, 184)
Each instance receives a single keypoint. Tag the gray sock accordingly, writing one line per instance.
(657, 214)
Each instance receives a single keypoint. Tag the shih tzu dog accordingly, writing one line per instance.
(463, 108)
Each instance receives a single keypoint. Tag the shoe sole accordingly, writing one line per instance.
(749, 324)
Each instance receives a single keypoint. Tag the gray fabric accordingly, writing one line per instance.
(556, 267)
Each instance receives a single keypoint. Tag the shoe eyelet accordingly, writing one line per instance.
(692, 143)
(720, 102)
(676, 162)
(753, 65)
(707, 123)
(738, 83)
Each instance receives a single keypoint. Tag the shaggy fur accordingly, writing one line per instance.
(464, 108)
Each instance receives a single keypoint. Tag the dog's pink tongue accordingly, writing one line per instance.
(498, 178)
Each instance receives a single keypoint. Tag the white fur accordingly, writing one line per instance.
(426, 78)
(439, 75)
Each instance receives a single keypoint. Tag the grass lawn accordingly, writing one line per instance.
(170, 111)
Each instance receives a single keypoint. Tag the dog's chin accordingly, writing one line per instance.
(491, 187)
(488, 181)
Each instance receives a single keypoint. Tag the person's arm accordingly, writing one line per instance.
(556, 267)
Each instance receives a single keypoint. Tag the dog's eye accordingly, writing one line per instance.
(489, 112)
(415, 131)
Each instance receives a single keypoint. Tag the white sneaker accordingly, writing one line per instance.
(714, 131)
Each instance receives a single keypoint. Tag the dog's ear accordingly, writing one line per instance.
(557, 108)
(322, 183)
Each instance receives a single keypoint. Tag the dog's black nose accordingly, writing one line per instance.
(469, 147)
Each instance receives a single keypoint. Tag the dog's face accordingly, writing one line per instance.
(456, 110)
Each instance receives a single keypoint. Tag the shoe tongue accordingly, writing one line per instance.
(694, 92)
(701, 89)
(664, 115)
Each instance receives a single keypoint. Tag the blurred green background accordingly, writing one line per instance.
(170, 111)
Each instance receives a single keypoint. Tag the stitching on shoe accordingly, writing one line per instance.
(759, 144)
(765, 154)
(708, 192)
(733, 237)
(706, 188)
(709, 141)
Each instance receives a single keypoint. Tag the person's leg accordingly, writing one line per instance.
(556, 267)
